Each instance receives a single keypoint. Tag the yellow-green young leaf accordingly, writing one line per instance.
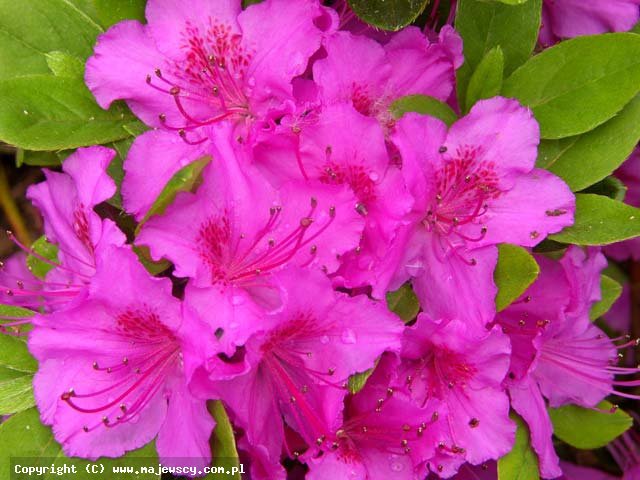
(13, 311)
(516, 270)
(184, 180)
(16, 392)
(611, 291)
(485, 25)
(486, 80)
(359, 380)
(426, 106)
(42, 248)
(63, 64)
(586, 428)
(404, 303)
(24, 437)
(223, 442)
(15, 356)
(590, 157)
(569, 86)
(153, 267)
(521, 463)
(388, 14)
(508, 2)
(45, 112)
(600, 221)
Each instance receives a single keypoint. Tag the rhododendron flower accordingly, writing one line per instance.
(629, 174)
(447, 362)
(66, 201)
(236, 229)
(557, 352)
(572, 18)
(15, 273)
(384, 433)
(342, 147)
(359, 70)
(110, 375)
(199, 63)
(300, 360)
(473, 187)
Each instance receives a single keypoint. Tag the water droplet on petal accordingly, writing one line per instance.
(415, 268)
(395, 464)
(348, 336)
(237, 300)
(373, 176)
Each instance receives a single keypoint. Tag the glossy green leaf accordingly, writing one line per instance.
(610, 187)
(486, 80)
(42, 248)
(110, 12)
(508, 2)
(63, 64)
(521, 463)
(426, 106)
(388, 14)
(223, 442)
(16, 392)
(404, 303)
(586, 428)
(31, 29)
(611, 291)
(600, 221)
(44, 112)
(578, 84)
(596, 154)
(24, 437)
(515, 272)
(184, 180)
(486, 25)
(15, 356)
(37, 159)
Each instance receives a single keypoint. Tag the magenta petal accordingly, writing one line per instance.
(122, 59)
(152, 161)
(571, 18)
(527, 400)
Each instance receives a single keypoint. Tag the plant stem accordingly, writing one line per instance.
(8, 205)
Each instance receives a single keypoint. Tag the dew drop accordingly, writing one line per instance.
(324, 339)
(374, 177)
(415, 268)
(395, 464)
(348, 336)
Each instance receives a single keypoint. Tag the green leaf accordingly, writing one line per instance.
(15, 356)
(484, 26)
(44, 249)
(521, 463)
(110, 12)
(426, 106)
(586, 428)
(611, 291)
(486, 80)
(16, 392)
(404, 303)
(578, 84)
(246, 3)
(63, 64)
(223, 442)
(388, 14)
(37, 159)
(515, 272)
(359, 380)
(596, 154)
(600, 221)
(24, 438)
(184, 180)
(508, 2)
(29, 30)
(43, 112)
(13, 311)
(610, 187)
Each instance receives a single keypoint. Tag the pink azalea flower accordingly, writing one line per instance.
(384, 434)
(110, 375)
(66, 201)
(558, 353)
(359, 70)
(473, 187)
(572, 18)
(14, 273)
(339, 146)
(236, 228)
(299, 361)
(626, 452)
(629, 174)
(448, 363)
(199, 63)
(578, 472)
